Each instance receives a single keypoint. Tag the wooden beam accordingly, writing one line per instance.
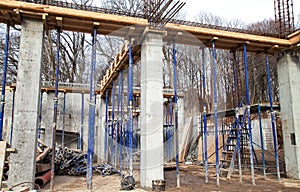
(74, 20)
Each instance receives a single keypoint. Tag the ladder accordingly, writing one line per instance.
(4, 151)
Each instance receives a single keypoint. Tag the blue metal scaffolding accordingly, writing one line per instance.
(273, 118)
(63, 123)
(80, 143)
(249, 113)
(55, 107)
(130, 106)
(92, 107)
(204, 116)
(176, 115)
(214, 57)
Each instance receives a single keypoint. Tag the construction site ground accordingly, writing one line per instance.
(191, 179)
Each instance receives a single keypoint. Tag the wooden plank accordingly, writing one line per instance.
(11, 150)
(185, 139)
(42, 167)
(2, 159)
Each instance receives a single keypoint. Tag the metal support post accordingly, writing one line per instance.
(121, 87)
(130, 105)
(55, 109)
(12, 117)
(237, 122)
(249, 113)
(40, 115)
(112, 123)
(106, 126)
(273, 118)
(214, 57)
(118, 125)
(170, 130)
(81, 123)
(262, 142)
(64, 120)
(4, 80)
(92, 106)
(176, 115)
(204, 117)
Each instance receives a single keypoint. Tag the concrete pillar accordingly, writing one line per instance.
(289, 86)
(101, 131)
(22, 163)
(181, 123)
(151, 109)
(47, 118)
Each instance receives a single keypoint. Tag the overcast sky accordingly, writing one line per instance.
(248, 11)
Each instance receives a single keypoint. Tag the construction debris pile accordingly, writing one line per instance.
(67, 162)
(74, 162)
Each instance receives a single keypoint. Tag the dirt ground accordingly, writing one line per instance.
(191, 179)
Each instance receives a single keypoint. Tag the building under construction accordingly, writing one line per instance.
(131, 123)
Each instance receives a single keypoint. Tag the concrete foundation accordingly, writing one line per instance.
(22, 163)
(152, 148)
(289, 86)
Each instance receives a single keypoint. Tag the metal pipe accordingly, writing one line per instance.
(92, 106)
(55, 109)
(118, 120)
(170, 131)
(112, 122)
(40, 115)
(204, 116)
(4, 80)
(166, 130)
(106, 126)
(237, 123)
(176, 115)
(262, 141)
(130, 105)
(43, 180)
(64, 120)
(273, 118)
(121, 88)
(249, 113)
(81, 123)
(12, 117)
(214, 57)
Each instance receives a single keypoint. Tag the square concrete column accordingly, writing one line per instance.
(289, 86)
(22, 163)
(100, 140)
(47, 119)
(181, 125)
(152, 154)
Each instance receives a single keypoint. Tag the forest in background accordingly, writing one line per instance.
(76, 48)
